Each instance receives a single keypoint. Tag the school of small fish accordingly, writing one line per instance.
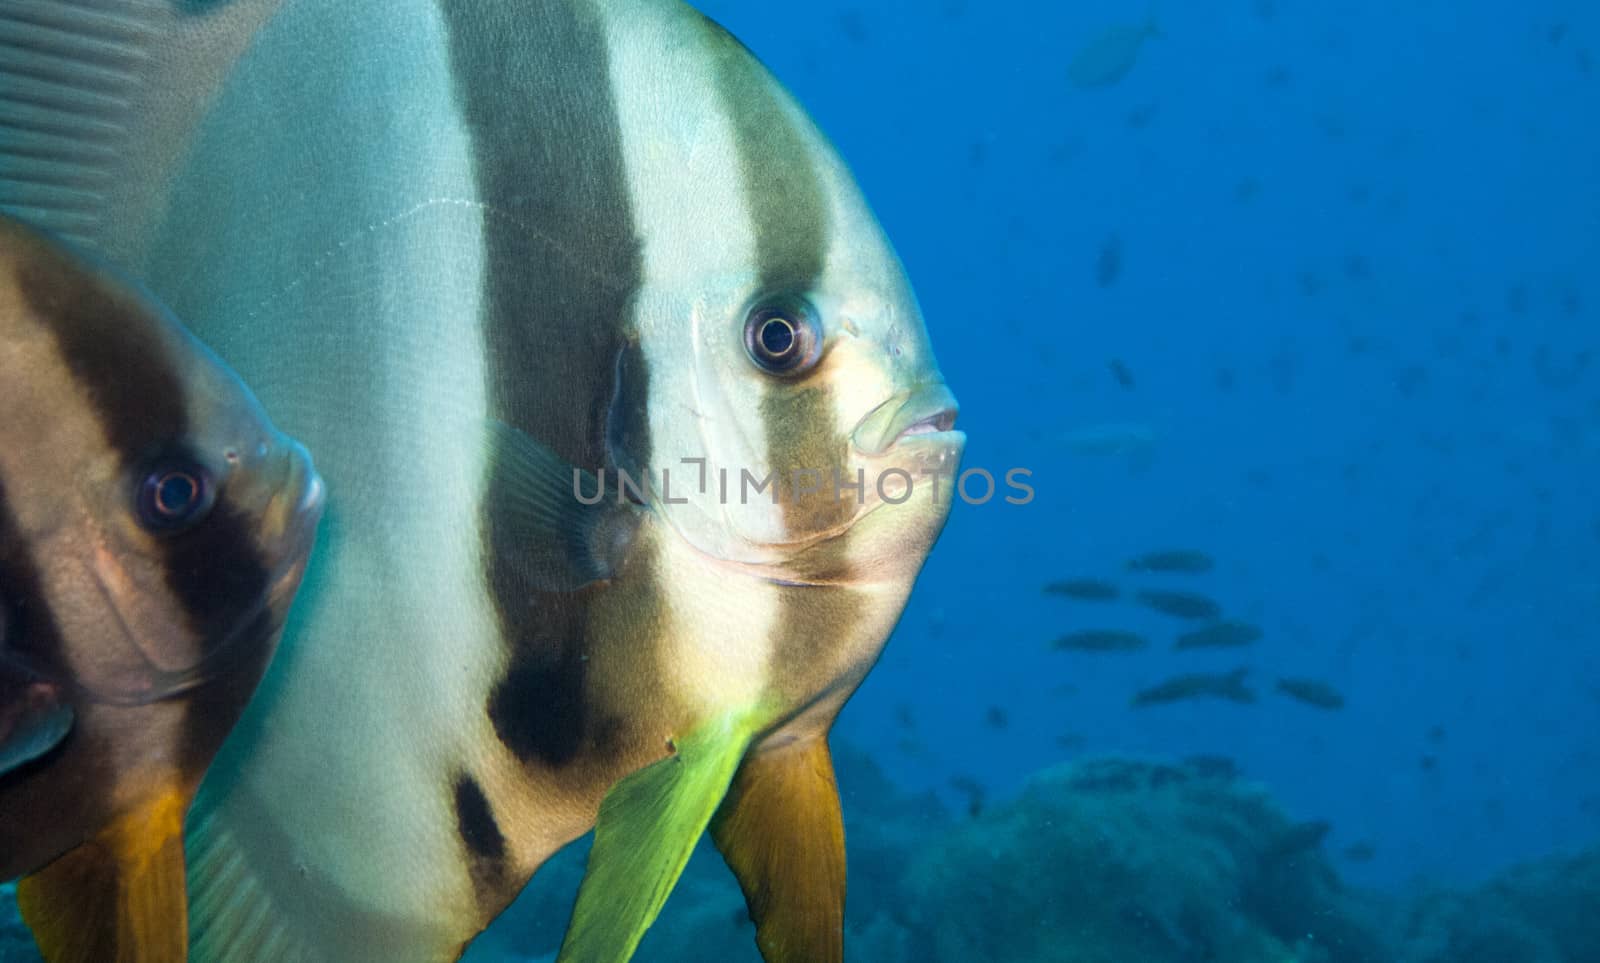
(1213, 631)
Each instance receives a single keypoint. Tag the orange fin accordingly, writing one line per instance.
(118, 898)
(780, 831)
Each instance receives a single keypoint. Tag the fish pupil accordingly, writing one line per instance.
(174, 497)
(176, 493)
(777, 337)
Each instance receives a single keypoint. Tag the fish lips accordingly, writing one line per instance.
(925, 413)
(908, 440)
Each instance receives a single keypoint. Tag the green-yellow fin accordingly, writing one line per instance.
(649, 824)
(780, 831)
(118, 898)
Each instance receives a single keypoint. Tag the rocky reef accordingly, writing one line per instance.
(1117, 861)
(1106, 860)
(1545, 912)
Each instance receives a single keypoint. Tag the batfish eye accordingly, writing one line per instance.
(174, 496)
(783, 338)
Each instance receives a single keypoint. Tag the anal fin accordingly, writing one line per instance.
(782, 835)
(118, 898)
(649, 824)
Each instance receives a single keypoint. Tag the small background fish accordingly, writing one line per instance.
(1107, 58)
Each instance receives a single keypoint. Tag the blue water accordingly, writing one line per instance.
(1350, 335)
(1380, 223)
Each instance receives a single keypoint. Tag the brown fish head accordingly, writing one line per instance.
(154, 527)
(164, 520)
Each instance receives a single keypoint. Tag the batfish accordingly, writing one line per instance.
(154, 527)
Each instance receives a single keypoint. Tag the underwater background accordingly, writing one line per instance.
(1310, 293)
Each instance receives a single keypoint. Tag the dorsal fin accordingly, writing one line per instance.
(98, 99)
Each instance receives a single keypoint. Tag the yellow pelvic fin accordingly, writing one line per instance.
(649, 823)
(780, 831)
(118, 898)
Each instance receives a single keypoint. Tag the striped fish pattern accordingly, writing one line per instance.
(507, 250)
(154, 527)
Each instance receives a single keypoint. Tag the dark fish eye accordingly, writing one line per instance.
(783, 338)
(777, 336)
(174, 496)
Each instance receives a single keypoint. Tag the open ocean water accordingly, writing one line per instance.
(1307, 297)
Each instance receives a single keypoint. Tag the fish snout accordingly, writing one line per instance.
(926, 412)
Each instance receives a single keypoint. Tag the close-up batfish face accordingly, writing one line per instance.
(163, 518)
(792, 389)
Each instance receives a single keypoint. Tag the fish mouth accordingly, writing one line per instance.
(944, 420)
(925, 412)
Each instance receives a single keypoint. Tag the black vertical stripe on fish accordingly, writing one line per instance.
(485, 843)
(812, 621)
(475, 821)
(139, 401)
(628, 427)
(790, 217)
(786, 199)
(810, 453)
(212, 710)
(127, 378)
(547, 151)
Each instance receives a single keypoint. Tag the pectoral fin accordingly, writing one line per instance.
(118, 898)
(780, 831)
(649, 824)
(566, 532)
(31, 724)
